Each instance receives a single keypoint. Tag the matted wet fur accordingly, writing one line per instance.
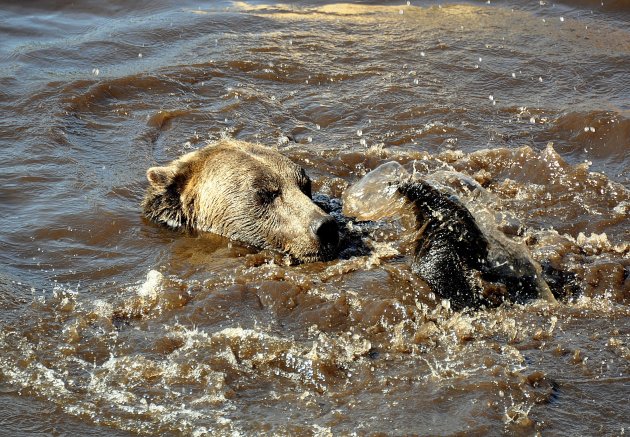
(246, 192)
(463, 264)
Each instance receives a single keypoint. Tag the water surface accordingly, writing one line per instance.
(111, 325)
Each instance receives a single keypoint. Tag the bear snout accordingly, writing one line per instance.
(327, 232)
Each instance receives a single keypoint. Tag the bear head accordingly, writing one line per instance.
(246, 192)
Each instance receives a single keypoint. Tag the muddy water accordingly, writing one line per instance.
(113, 326)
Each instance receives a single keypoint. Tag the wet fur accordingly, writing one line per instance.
(459, 262)
(245, 192)
(255, 195)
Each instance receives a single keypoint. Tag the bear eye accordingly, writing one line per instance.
(266, 196)
(305, 183)
(305, 187)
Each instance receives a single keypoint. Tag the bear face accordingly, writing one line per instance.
(245, 192)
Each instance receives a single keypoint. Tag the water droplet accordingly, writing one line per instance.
(309, 139)
(401, 12)
(362, 142)
(318, 127)
(359, 132)
(491, 97)
(540, 79)
(561, 18)
(592, 129)
(514, 75)
(415, 81)
(96, 71)
(139, 55)
(479, 59)
(422, 54)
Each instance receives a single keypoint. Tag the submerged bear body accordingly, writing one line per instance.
(246, 192)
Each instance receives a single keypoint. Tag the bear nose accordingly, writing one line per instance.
(327, 231)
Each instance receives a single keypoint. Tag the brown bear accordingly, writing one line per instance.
(246, 192)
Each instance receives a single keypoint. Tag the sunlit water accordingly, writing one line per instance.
(111, 325)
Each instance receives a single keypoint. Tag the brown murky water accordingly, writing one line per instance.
(113, 326)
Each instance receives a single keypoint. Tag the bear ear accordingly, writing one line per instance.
(161, 177)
